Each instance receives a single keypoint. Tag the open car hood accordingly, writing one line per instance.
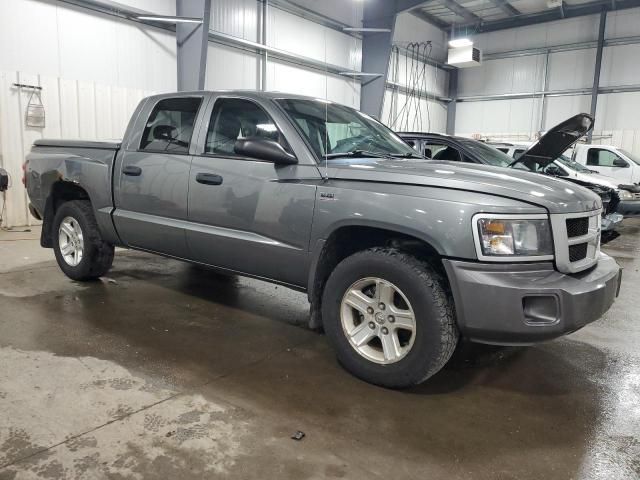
(553, 143)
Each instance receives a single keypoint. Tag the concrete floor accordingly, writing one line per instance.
(165, 371)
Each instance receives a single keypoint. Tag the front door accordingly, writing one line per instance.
(153, 178)
(249, 215)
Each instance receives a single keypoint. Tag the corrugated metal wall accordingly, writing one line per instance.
(616, 116)
(234, 68)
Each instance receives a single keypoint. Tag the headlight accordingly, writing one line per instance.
(513, 237)
(625, 195)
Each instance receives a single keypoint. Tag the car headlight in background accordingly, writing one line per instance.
(625, 195)
(513, 237)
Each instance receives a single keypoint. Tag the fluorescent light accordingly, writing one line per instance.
(366, 29)
(460, 42)
(169, 19)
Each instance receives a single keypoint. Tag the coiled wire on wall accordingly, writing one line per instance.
(409, 117)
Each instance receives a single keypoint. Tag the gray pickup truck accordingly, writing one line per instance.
(400, 256)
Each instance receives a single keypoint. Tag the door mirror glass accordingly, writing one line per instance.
(264, 149)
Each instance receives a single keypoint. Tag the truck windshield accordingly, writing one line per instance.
(573, 165)
(335, 131)
(634, 158)
(489, 155)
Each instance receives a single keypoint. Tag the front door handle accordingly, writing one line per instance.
(209, 179)
(132, 171)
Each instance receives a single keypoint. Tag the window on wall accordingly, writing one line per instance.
(170, 125)
(234, 119)
(599, 157)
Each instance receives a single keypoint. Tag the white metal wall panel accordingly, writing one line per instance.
(409, 28)
(239, 18)
(432, 79)
(623, 23)
(431, 117)
(231, 68)
(505, 75)
(499, 118)
(573, 69)
(159, 7)
(60, 40)
(349, 12)
(292, 33)
(621, 65)
(559, 109)
(284, 77)
(74, 109)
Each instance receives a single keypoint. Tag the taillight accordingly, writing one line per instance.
(24, 172)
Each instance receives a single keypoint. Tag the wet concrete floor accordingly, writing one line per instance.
(163, 370)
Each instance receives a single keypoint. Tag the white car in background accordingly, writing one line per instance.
(611, 161)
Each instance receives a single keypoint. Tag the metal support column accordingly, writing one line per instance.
(376, 51)
(192, 40)
(543, 99)
(451, 106)
(596, 73)
(265, 53)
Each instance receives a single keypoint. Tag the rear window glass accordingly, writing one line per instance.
(170, 125)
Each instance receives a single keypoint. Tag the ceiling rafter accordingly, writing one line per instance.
(464, 12)
(506, 7)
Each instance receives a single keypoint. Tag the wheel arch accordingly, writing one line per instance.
(347, 239)
(61, 191)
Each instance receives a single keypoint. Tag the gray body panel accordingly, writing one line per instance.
(271, 221)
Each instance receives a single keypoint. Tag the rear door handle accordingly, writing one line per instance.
(209, 179)
(132, 171)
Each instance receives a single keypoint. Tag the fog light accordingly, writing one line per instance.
(541, 309)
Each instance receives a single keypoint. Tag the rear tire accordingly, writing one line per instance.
(399, 343)
(80, 251)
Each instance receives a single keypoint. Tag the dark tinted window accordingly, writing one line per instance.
(170, 125)
(441, 151)
(233, 119)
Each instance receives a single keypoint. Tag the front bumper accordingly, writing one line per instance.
(520, 304)
(629, 207)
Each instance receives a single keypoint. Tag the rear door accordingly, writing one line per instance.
(151, 183)
(607, 162)
(249, 215)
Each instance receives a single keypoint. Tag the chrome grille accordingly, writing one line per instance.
(576, 239)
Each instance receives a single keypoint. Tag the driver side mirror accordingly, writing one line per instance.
(555, 171)
(620, 163)
(264, 149)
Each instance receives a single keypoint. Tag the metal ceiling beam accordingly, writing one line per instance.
(506, 7)
(424, 16)
(458, 9)
(570, 11)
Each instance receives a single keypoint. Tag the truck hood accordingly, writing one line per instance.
(556, 141)
(557, 196)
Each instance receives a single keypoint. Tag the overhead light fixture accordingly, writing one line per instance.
(169, 19)
(460, 42)
(366, 29)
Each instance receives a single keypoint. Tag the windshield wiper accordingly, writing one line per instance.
(357, 153)
(405, 155)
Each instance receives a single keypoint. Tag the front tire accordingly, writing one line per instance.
(389, 317)
(80, 251)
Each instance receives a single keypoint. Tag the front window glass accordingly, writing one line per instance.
(631, 156)
(234, 119)
(170, 125)
(489, 155)
(335, 131)
(441, 151)
(599, 157)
